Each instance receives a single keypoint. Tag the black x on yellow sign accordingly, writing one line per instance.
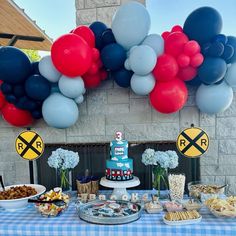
(192, 142)
(29, 145)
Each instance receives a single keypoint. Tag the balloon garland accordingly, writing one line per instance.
(158, 66)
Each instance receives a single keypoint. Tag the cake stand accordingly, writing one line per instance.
(120, 186)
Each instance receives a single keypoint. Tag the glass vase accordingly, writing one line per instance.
(160, 176)
(63, 180)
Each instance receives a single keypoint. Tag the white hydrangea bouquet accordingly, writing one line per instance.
(160, 162)
(63, 161)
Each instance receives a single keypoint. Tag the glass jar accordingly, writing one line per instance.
(176, 186)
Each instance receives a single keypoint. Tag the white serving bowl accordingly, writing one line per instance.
(16, 204)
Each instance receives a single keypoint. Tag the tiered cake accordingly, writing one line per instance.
(119, 167)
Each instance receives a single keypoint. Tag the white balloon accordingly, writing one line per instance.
(142, 60)
(156, 42)
(131, 24)
(230, 76)
(142, 85)
(71, 88)
(127, 65)
(79, 99)
(48, 70)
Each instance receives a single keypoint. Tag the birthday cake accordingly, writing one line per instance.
(119, 167)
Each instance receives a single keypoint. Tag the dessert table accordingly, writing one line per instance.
(30, 222)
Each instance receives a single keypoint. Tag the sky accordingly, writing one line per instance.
(57, 17)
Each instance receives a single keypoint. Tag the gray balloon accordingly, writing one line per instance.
(142, 85)
(48, 70)
(59, 111)
(142, 60)
(230, 76)
(156, 42)
(71, 87)
(212, 99)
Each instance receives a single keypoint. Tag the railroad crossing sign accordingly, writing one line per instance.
(192, 142)
(29, 145)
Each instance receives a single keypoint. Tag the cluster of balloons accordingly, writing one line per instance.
(154, 65)
(216, 76)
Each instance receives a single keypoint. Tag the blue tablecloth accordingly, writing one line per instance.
(30, 222)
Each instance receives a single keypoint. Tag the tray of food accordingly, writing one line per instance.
(56, 207)
(16, 197)
(192, 204)
(203, 191)
(172, 206)
(182, 218)
(153, 207)
(110, 212)
(225, 208)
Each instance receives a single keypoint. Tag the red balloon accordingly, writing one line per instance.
(165, 35)
(177, 28)
(166, 68)
(95, 54)
(2, 100)
(169, 97)
(191, 48)
(93, 69)
(183, 60)
(103, 74)
(99, 63)
(175, 42)
(1, 82)
(16, 116)
(86, 33)
(197, 60)
(71, 55)
(187, 73)
(91, 81)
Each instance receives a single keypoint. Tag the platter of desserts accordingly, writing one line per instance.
(16, 197)
(153, 207)
(225, 208)
(52, 209)
(182, 218)
(110, 212)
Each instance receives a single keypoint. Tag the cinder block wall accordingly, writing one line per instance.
(110, 108)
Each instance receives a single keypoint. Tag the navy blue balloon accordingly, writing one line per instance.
(205, 48)
(203, 24)
(37, 87)
(108, 37)
(232, 42)
(194, 82)
(113, 56)
(123, 77)
(37, 114)
(19, 90)
(22, 103)
(212, 70)
(6, 88)
(30, 105)
(15, 66)
(35, 68)
(216, 49)
(98, 28)
(220, 38)
(11, 98)
(228, 53)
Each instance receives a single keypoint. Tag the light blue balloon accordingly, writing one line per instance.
(142, 60)
(59, 111)
(230, 76)
(127, 65)
(71, 88)
(212, 99)
(79, 99)
(48, 70)
(156, 42)
(142, 85)
(131, 24)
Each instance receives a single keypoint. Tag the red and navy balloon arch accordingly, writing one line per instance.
(158, 66)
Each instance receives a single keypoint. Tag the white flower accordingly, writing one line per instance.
(63, 159)
(148, 157)
(173, 159)
(168, 159)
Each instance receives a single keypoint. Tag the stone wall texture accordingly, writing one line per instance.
(110, 108)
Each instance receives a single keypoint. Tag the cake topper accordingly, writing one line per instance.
(118, 136)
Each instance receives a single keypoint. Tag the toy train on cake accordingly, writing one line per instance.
(118, 174)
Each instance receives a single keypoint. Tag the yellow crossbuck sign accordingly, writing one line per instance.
(29, 145)
(192, 142)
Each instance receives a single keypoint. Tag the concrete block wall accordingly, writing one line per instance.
(110, 108)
